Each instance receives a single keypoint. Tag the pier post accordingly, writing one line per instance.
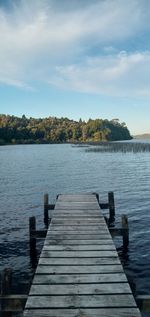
(6, 279)
(125, 226)
(32, 230)
(97, 196)
(6, 282)
(46, 210)
(111, 205)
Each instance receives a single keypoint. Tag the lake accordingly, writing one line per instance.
(29, 171)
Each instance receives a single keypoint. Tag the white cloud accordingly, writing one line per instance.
(38, 35)
(122, 74)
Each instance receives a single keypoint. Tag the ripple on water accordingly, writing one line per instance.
(27, 172)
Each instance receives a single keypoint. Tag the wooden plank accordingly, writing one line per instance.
(75, 269)
(79, 211)
(81, 203)
(78, 231)
(143, 302)
(76, 216)
(78, 198)
(79, 279)
(77, 237)
(81, 289)
(76, 222)
(78, 261)
(78, 242)
(81, 312)
(99, 225)
(79, 254)
(84, 301)
(78, 228)
(91, 247)
(85, 211)
(76, 206)
(11, 303)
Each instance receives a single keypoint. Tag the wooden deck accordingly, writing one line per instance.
(79, 273)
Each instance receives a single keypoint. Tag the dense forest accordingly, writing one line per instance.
(14, 130)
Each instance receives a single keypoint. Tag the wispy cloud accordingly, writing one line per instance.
(58, 43)
(121, 74)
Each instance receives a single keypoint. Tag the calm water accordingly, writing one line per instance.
(28, 171)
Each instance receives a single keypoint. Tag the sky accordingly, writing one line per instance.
(76, 59)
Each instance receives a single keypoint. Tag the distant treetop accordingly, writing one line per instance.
(15, 130)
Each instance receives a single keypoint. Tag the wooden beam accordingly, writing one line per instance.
(117, 231)
(38, 233)
(32, 228)
(32, 241)
(46, 210)
(104, 206)
(124, 221)
(111, 204)
(97, 196)
(6, 281)
(13, 303)
(143, 302)
(51, 206)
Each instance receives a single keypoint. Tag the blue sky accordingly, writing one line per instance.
(78, 59)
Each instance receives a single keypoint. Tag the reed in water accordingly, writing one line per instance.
(120, 147)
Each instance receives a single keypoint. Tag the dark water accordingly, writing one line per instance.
(28, 171)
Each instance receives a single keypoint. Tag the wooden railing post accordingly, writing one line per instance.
(10, 303)
(143, 302)
(6, 280)
(97, 196)
(125, 226)
(32, 229)
(46, 210)
(111, 205)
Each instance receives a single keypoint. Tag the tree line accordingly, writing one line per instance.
(15, 130)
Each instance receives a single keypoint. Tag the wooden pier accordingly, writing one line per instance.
(79, 273)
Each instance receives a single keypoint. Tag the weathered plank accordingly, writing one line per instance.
(80, 254)
(80, 203)
(78, 231)
(76, 222)
(97, 228)
(77, 206)
(79, 279)
(78, 261)
(73, 236)
(11, 303)
(81, 312)
(81, 289)
(76, 198)
(70, 211)
(63, 214)
(84, 301)
(78, 269)
(78, 242)
(79, 247)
